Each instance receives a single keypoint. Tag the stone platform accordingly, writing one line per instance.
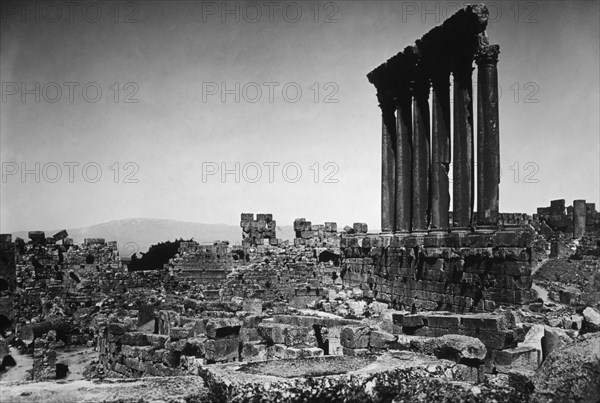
(330, 378)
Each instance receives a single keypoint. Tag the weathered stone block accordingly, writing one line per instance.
(223, 328)
(461, 349)
(381, 340)
(254, 351)
(357, 352)
(355, 337)
(170, 359)
(299, 336)
(219, 350)
(407, 320)
(195, 346)
(178, 333)
(253, 305)
(443, 321)
(533, 339)
(134, 339)
(526, 358)
(157, 340)
(273, 333)
(249, 335)
(116, 328)
(276, 352)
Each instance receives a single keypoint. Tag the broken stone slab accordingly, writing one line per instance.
(591, 320)
(460, 349)
(380, 339)
(223, 328)
(533, 339)
(219, 350)
(254, 351)
(554, 339)
(355, 336)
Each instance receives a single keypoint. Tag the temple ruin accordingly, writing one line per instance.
(461, 304)
(416, 154)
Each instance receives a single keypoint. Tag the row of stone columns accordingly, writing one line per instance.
(416, 157)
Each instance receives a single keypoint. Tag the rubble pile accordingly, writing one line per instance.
(315, 234)
(459, 302)
(205, 264)
(259, 231)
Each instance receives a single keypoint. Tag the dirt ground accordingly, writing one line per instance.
(77, 358)
(156, 390)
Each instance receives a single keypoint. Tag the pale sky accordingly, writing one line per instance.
(175, 57)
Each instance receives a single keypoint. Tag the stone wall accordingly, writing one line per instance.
(256, 232)
(206, 264)
(182, 343)
(560, 217)
(453, 272)
(8, 271)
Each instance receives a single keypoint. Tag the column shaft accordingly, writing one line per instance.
(440, 153)
(488, 137)
(579, 212)
(420, 157)
(462, 196)
(388, 165)
(403, 162)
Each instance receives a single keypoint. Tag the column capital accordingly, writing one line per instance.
(440, 79)
(386, 101)
(487, 54)
(420, 86)
(402, 95)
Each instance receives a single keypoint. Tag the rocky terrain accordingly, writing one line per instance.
(335, 315)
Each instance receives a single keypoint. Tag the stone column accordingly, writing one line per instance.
(579, 211)
(403, 214)
(388, 161)
(488, 138)
(420, 155)
(440, 152)
(462, 195)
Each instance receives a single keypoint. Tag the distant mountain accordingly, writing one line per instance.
(137, 234)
